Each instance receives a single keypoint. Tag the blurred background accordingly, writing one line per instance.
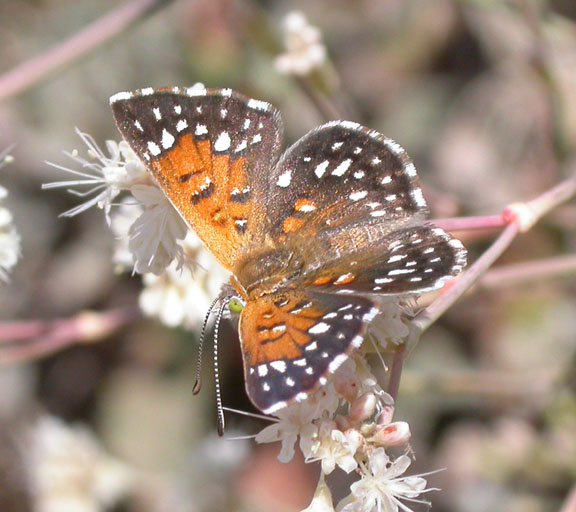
(481, 93)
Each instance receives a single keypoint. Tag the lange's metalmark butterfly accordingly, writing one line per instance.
(311, 238)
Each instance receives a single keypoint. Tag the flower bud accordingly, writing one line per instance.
(393, 434)
(363, 407)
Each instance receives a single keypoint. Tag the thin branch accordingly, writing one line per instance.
(396, 371)
(570, 504)
(470, 223)
(530, 271)
(521, 217)
(25, 341)
(429, 315)
(36, 69)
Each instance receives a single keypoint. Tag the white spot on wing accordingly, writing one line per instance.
(400, 271)
(275, 407)
(342, 168)
(279, 366)
(181, 125)
(410, 169)
(196, 90)
(342, 279)
(284, 179)
(263, 370)
(356, 196)
(120, 96)
(201, 129)
(153, 148)
(167, 139)
(222, 142)
(147, 91)
(259, 105)
(394, 147)
(157, 113)
(178, 109)
(337, 362)
(418, 197)
(321, 168)
(319, 328)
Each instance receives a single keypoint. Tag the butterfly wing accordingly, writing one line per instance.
(348, 203)
(409, 260)
(209, 151)
(292, 339)
(338, 176)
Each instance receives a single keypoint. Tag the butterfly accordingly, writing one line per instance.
(312, 237)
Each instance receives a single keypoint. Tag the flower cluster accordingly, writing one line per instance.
(9, 238)
(68, 469)
(180, 276)
(347, 424)
(305, 50)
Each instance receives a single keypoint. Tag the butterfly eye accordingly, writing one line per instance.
(235, 306)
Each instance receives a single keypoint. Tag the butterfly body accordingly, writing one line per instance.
(311, 238)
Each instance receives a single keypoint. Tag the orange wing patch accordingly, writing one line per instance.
(210, 191)
(275, 327)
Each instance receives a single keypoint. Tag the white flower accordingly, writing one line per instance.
(180, 296)
(104, 175)
(121, 219)
(154, 235)
(305, 50)
(382, 489)
(322, 500)
(389, 328)
(296, 420)
(332, 447)
(68, 471)
(9, 238)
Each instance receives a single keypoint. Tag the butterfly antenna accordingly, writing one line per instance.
(219, 408)
(198, 384)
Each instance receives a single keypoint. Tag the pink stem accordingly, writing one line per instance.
(37, 68)
(509, 275)
(468, 223)
(570, 503)
(37, 339)
(396, 371)
(456, 289)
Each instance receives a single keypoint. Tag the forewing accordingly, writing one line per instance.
(210, 151)
(340, 175)
(291, 340)
(415, 259)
